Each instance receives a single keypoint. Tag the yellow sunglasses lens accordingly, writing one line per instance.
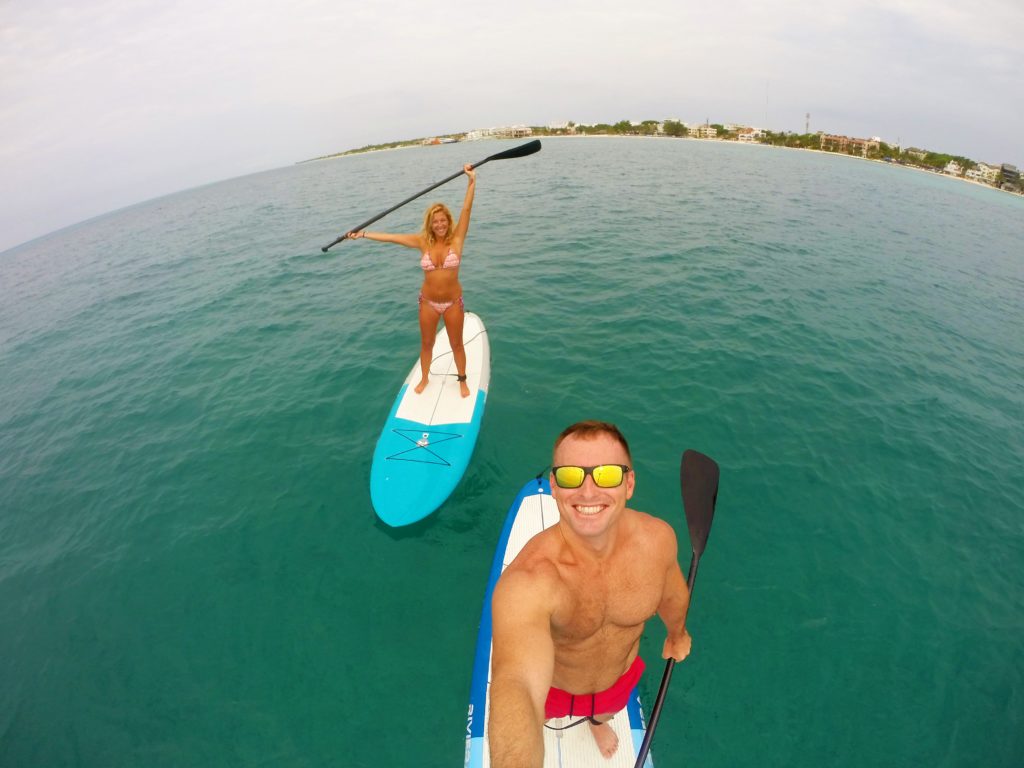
(607, 476)
(569, 477)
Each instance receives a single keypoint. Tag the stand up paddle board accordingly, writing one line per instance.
(428, 438)
(534, 510)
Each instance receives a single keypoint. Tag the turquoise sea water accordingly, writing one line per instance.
(191, 573)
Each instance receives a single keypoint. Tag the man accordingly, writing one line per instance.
(569, 610)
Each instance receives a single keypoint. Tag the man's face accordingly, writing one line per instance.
(591, 510)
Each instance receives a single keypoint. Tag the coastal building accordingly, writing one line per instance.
(750, 134)
(983, 172)
(1010, 174)
(704, 131)
(849, 145)
(504, 132)
(953, 168)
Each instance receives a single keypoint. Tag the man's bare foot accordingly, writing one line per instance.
(605, 737)
(421, 386)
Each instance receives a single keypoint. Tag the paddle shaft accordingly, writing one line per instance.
(698, 478)
(645, 746)
(524, 149)
(381, 215)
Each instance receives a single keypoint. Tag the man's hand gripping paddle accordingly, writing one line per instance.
(698, 476)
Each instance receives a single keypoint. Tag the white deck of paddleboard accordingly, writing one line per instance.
(441, 402)
(575, 747)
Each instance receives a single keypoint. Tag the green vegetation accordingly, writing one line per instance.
(675, 128)
(922, 158)
(798, 140)
(621, 128)
(377, 147)
(940, 161)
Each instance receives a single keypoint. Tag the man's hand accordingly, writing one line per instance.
(677, 647)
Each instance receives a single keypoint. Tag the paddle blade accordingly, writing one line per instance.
(698, 476)
(522, 150)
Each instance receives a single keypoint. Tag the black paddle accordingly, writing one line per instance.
(521, 151)
(698, 476)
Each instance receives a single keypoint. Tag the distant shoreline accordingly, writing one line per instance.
(413, 143)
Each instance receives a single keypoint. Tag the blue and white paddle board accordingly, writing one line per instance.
(534, 510)
(428, 438)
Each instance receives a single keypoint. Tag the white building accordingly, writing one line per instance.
(502, 132)
(984, 173)
(515, 132)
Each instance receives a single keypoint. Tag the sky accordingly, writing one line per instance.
(106, 103)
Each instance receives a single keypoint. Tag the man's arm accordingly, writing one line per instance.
(675, 602)
(522, 664)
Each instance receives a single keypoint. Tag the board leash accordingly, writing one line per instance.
(464, 343)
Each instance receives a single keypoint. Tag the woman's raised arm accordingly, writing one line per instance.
(467, 206)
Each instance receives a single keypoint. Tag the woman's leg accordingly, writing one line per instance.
(454, 319)
(428, 330)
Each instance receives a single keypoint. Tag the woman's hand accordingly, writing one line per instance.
(468, 170)
(355, 235)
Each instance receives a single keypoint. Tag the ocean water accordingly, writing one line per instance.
(191, 573)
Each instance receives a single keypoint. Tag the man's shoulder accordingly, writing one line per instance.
(653, 531)
(536, 560)
(652, 525)
(534, 567)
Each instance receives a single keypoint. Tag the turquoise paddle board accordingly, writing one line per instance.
(532, 511)
(428, 438)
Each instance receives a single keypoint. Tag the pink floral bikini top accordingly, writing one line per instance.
(451, 261)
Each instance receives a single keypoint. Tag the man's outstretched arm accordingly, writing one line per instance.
(522, 664)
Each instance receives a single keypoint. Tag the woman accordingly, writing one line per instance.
(440, 247)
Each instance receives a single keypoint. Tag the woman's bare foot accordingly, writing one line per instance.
(606, 739)
(464, 388)
(421, 386)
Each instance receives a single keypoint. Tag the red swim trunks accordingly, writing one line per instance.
(562, 704)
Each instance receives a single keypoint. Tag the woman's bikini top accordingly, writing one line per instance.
(451, 261)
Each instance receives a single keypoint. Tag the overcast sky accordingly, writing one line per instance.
(105, 103)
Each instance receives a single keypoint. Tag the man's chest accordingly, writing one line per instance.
(619, 598)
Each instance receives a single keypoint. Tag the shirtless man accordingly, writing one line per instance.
(569, 610)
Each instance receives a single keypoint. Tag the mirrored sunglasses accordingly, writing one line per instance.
(604, 475)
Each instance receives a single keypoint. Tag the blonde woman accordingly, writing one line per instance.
(440, 247)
